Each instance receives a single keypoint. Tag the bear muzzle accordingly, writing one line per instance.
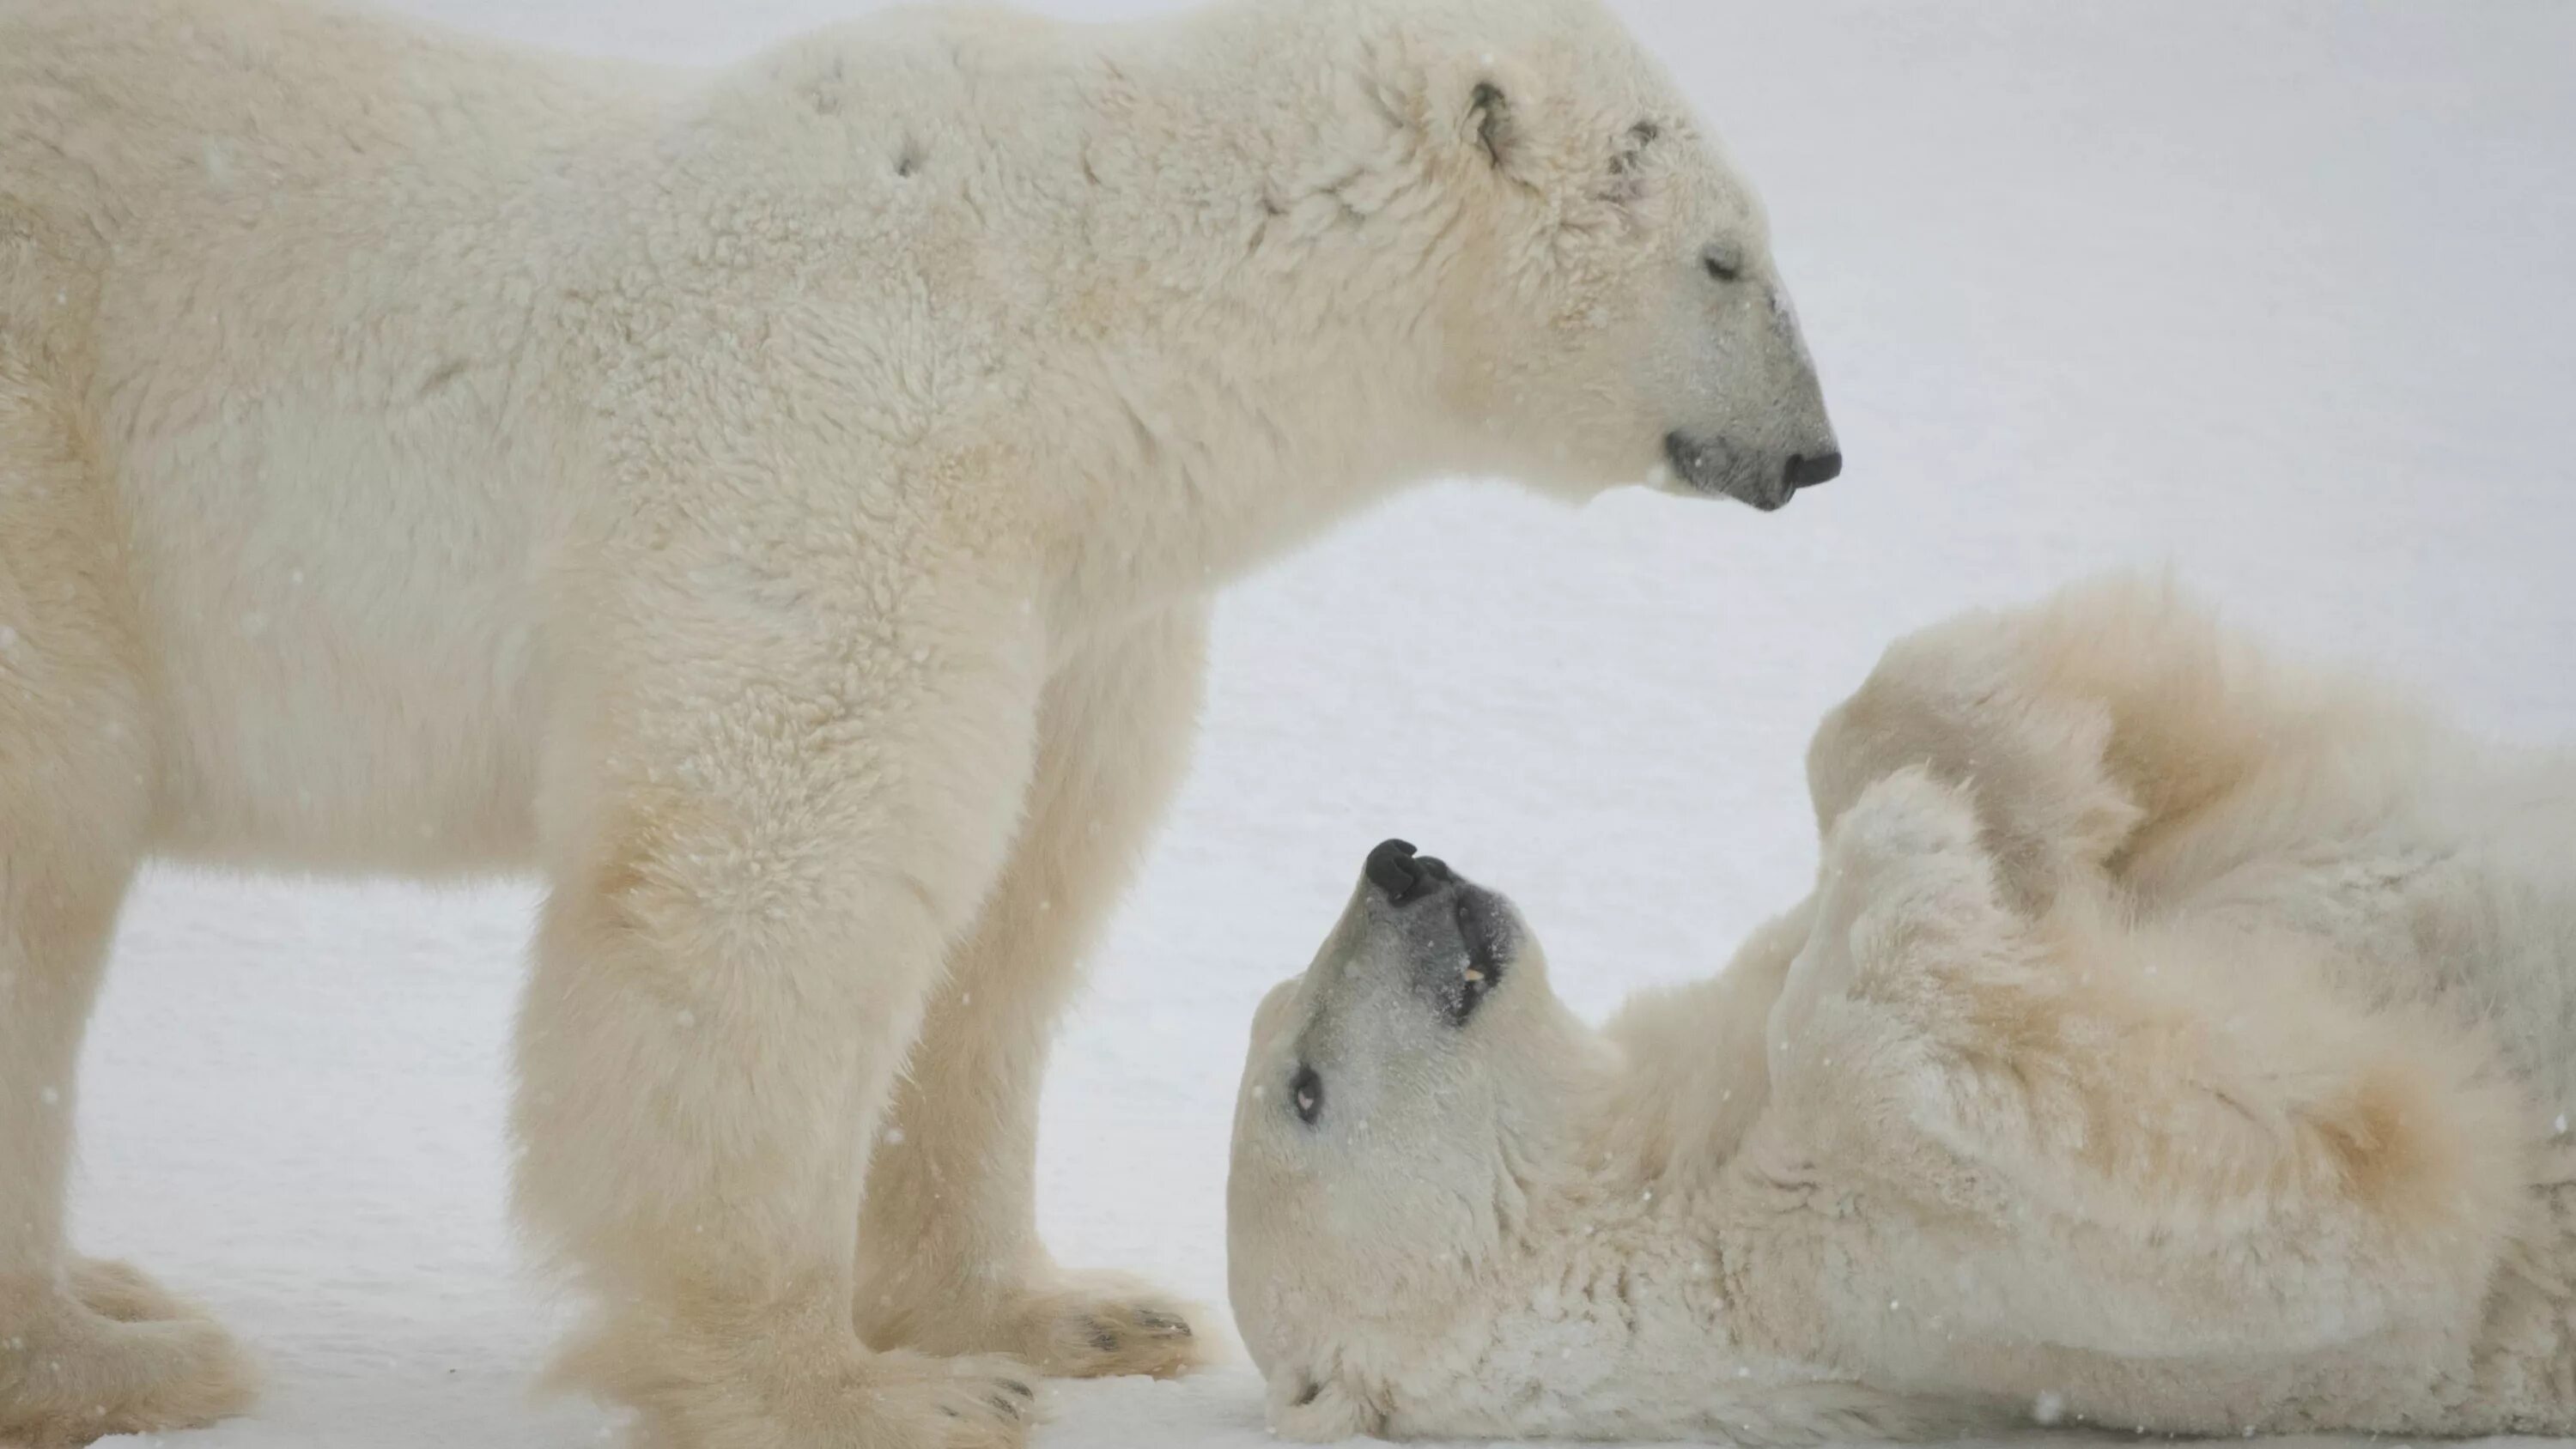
(1759, 477)
(1456, 937)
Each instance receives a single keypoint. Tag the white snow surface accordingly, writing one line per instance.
(2279, 296)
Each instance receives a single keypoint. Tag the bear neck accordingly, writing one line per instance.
(1273, 363)
(1619, 1306)
(1646, 1285)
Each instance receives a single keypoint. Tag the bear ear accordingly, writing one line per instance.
(1318, 1412)
(1490, 112)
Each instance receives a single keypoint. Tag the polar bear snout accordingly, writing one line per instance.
(1754, 475)
(1453, 939)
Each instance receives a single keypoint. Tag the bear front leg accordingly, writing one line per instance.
(2087, 728)
(1973, 701)
(949, 1256)
(761, 842)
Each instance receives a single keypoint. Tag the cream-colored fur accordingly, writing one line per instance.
(778, 505)
(2177, 1038)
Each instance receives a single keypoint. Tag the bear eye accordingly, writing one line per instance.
(1307, 1090)
(1723, 262)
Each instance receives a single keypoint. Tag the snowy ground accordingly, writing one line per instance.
(2278, 294)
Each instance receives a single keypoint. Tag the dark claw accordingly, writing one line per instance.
(1163, 1323)
(1021, 1389)
(1104, 1338)
(1008, 1408)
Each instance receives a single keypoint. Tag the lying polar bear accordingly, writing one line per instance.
(2176, 1038)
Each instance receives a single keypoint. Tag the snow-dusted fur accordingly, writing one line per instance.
(779, 506)
(2177, 1038)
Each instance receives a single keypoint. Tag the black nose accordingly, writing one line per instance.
(1403, 875)
(1805, 471)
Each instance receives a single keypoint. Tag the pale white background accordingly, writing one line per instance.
(2279, 295)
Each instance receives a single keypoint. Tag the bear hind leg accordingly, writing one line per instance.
(86, 1349)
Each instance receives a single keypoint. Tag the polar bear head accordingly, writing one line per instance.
(1610, 300)
(1399, 1100)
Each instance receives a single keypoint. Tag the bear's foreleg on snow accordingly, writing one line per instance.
(761, 846)
(949, 1255)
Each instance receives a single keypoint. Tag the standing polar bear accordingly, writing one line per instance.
(779, 506)
(2176, 1039)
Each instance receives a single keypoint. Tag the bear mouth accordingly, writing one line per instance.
(1714, 466)
(1488, 933)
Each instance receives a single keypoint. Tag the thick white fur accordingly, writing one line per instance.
(2177, 1038)
(778, 505)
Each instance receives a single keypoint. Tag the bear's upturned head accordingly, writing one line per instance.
(1611, 295)
(1396, 1095)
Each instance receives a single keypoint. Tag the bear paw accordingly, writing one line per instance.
(1089, 1328)
(111, 1352)
(127, 1294)
(1076, 1326)
(1904, 858)
(796, 1393)
(1908, 823)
